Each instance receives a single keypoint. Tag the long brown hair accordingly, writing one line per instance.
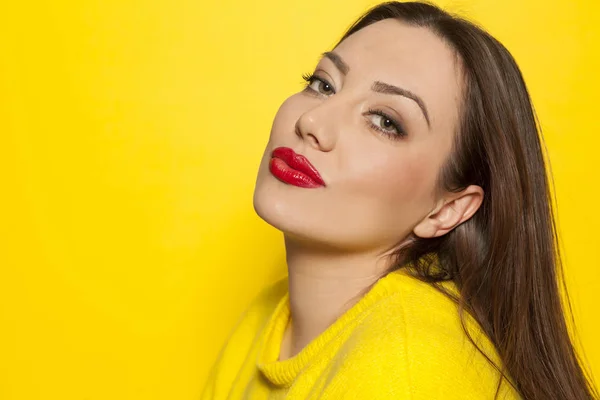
(505, 260)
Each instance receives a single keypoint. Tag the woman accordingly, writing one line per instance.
(409, 181)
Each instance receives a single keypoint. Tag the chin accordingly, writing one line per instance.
(274, 207)
(280, 206)
(284, 211)
(305, 215)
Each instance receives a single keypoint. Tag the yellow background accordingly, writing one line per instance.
(131, 133)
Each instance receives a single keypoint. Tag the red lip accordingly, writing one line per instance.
(294, 169)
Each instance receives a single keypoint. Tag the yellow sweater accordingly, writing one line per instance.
(402, 340)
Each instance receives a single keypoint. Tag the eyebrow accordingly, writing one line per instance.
(381, 87)
(337, 61)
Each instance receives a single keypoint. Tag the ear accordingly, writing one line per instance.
(450, 212)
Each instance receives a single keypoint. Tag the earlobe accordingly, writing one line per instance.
(451, 212)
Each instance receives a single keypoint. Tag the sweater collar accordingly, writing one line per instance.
(283, 373)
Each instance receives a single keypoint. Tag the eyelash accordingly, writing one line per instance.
(310, 78)
(401, 133)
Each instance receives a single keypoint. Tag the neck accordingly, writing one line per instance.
(323, 284)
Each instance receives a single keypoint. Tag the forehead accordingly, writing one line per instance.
(411, 57)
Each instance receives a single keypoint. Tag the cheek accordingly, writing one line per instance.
(397, 179)
(283, 125)
(392, 191)
(288, 113)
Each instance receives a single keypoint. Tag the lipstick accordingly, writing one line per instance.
(294, 169)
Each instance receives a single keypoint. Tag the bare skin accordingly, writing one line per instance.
(379, 171)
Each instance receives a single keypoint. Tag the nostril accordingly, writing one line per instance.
(297, 129)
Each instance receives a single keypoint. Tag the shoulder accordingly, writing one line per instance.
(412, 343)
(241, 338)
(263, 304)
(258, 311)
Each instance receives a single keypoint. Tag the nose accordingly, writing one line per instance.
(317, 126)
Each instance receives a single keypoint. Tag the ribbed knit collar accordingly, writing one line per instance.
(283, 373)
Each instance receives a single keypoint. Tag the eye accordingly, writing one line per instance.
(385, 124)
(318, 85)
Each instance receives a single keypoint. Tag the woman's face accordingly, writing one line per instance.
(377, 149)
